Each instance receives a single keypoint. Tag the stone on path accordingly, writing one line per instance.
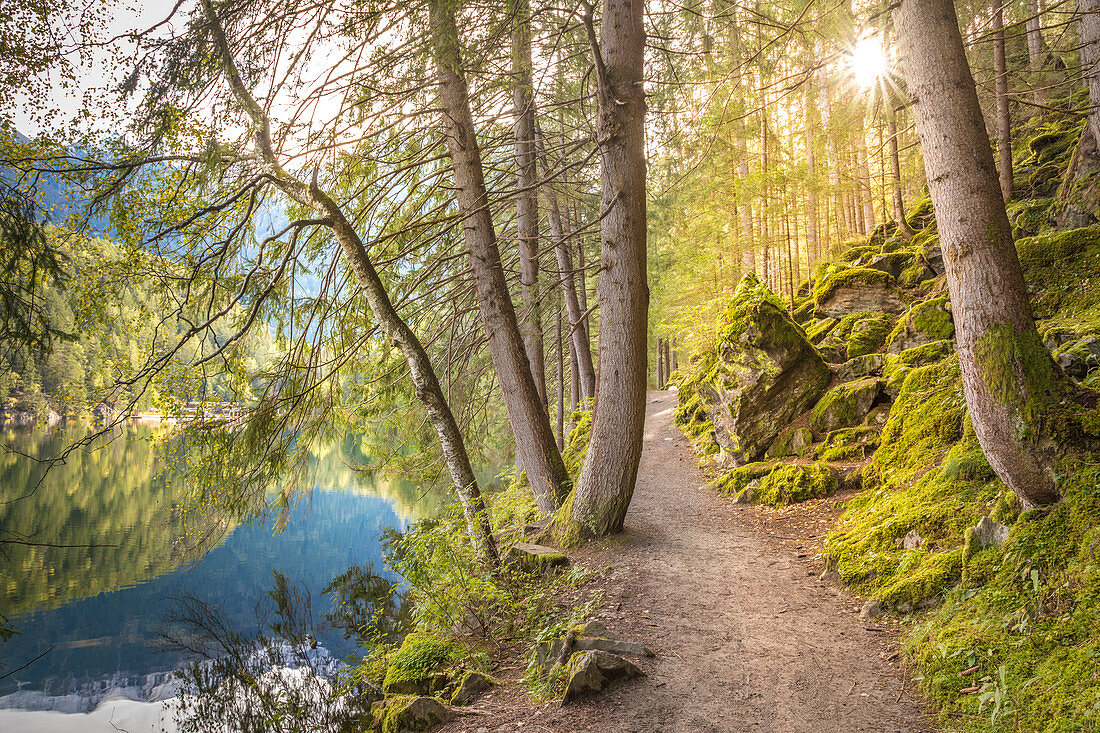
(592, 671)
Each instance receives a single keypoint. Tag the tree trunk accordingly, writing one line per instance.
(606, 483)
(578, 327)
(813, 245)
(535, 447)
(561, 382)
(1088, 22)
(867, 195)
(895, 172)
(425, 381)
(1036, 50)
(574, 379)
(1007, 372)
(1000, 92)
(527, 198)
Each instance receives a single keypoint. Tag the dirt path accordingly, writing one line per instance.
(747, 638)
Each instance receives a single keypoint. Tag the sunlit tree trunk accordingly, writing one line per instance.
(1008, 375)
(867, 195)
(536, 449)
(814, 251)
(895, 172)
(606, 483)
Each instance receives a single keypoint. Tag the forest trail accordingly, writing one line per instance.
(747, 638)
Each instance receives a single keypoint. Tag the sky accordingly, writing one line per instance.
(94, 72)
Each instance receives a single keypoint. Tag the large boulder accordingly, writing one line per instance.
(845, 406)
(766, 373)
(924, 323)
(857, 289)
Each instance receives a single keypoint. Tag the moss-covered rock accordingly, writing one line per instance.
(765, 374)
(861, 366)
(820, 329)
(469, 686)
(792, 442)
(791, 483)
(845, 406)
(857, 289)
(420, 666)
(412, 714)
(848, 444)
(735, 481)
(892, 263)
(868, 334)
(924, 323)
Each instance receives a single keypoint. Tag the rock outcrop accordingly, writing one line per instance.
(766, 374)
(857, 289)
(845, 406)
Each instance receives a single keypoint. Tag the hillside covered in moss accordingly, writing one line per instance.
(857, 383)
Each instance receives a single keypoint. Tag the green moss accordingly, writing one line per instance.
(868, 334)
(850, 277)
(1017, 370)
(925, 354)
(789, 484)
(920, 213)
(859, 251)
(791, 442)
(733, 482)
(845, 405)
(927, 576)
(848, 444)
(929, 320)
(414, 666)
(576, 443)
(1028, 617)
(399, 716)
(821, 329)
(933, 318)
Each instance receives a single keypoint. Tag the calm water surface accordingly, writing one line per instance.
(95, 611)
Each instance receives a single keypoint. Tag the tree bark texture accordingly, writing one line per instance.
(527, 195)
(813, 244)
(425, 381)
(1007, 373)
(535, 447)
(606, 482)
(1088, 23)
(1000, 93)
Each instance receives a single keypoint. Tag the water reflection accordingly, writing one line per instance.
(99, 607)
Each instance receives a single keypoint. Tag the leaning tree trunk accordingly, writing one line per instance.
(425, 382)
(606, 483)
(1000, 92)
(1008, 375)
(1088, 23)
(527, 195)
(535, 446)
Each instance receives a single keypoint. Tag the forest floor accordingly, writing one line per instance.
(747, 637)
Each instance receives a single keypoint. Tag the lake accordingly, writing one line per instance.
(93, 611)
